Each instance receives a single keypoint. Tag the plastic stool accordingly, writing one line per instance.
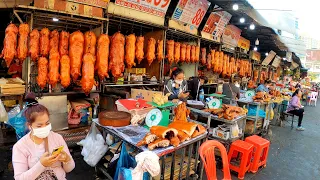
(207, 154)
(260, 153)
(246, 150)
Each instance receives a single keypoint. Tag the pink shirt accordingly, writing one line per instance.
(26, 158)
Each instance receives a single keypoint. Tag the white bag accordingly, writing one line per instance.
(3, 113)
(94, 146)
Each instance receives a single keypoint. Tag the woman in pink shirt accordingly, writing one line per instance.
(296, 108)
(31, 155)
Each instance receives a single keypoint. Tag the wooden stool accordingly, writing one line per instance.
(246, 150)
(261, 149)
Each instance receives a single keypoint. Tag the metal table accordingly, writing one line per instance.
(186, 153)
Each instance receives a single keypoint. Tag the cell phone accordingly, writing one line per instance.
(57, 150)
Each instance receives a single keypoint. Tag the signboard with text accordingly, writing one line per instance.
(216, 23)
(313, 55)
(231, 35)
(154, 7)
(244, 43)
(191, 11)
(254, 55)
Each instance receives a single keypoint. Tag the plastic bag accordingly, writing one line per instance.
(125, 165)
(3, 113)
(252, 110)
(94, 146)
(18, 122)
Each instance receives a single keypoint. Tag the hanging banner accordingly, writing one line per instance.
(269, 58)
(96, 3)
(191, 11)
(216, 23)
(276, 61)
(289, 56)
(244, 43)
(231, 35)
(254, 55)
(154, 7)
(294, 65)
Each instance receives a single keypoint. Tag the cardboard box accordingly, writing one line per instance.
(143, 94)
(216, 132)
(71, 7)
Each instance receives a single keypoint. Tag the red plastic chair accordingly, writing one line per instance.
(206, 151)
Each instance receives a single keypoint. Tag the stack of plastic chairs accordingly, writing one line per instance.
(313, 98)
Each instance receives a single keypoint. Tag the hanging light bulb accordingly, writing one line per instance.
(235, 7)
(257, 42)
(252, 26)
(55, 19)
(266, 54)
(255, 48)
(242, 20)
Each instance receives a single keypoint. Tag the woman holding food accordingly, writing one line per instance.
(176, 86)
(41, 154)
(296, 108)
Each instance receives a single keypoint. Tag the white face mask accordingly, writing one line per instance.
(178, 81)
(42, 132)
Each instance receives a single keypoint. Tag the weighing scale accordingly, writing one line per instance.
(214, 101)
(250, 94)
(159, 115)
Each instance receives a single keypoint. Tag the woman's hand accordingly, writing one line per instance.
(48, 160)
(183, 95)
(64, 157)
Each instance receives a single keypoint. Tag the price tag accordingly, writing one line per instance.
(191, 11)
(155, 7)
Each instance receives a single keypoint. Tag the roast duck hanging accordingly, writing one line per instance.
(178, 131)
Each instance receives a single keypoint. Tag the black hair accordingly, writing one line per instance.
(296, 92)
(176, 72)
(33, 108)
(204, 78)
(268, 81)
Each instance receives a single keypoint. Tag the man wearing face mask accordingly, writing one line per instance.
(177, 86)
(32, 156)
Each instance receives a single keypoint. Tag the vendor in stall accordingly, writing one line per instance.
(264, 87)
(296, 108)
(231, 91)
(195, 85)
(15, 69)
(32, 155)
(177, 86)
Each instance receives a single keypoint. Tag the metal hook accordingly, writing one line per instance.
(141, 30)
(132, 27)
(119, 26)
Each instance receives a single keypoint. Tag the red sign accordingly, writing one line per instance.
(154, 7)
(231, 35)
(191, 11)
(313, 55)
(216, 23)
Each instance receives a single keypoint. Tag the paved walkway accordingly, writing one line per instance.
(294, 155)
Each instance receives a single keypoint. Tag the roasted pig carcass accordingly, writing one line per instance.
(139, 49)
(87, 80)
(103, 56)
(186, 127)
(209, 61)
(203, 56)
(176, 52)
(151, 50)
(65, 71)
(44, 42)
(42, 72)
(197, 54)
(183, 51)
(116, 65)
(160, 50)
(183, 136)
(76, 48)
(181, 112)
(23, 41)
(10, 44)
(170, 51)
(54, 62)
(130, 50)
(163, 132)
(199, 130)
(54, 41)
(34, 47)
(64, 43)
(90, 41)
(159, 143)
(175, 141)
(193, 54)
(149, 138)
(188, 53)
